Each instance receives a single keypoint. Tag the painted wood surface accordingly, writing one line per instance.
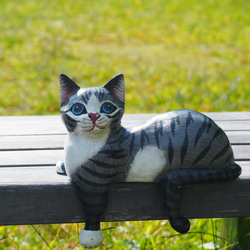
(32, 193)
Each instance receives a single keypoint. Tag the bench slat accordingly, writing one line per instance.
(31, 142)
(29, 158)
(40, 125)
(46, 175)
(50, 157)
(42, 196)
(37, 195)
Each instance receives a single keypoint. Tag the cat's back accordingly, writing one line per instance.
(188, 139)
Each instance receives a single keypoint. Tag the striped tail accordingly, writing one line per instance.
(173, 194)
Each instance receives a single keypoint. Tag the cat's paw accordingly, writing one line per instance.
(60, 168)
(181, 224)
(90, 239)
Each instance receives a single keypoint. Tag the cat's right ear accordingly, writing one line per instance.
(67, 87)
(116, 86)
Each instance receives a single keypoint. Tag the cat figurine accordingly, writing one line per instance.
(175, 149)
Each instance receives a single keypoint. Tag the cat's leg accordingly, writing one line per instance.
(91, 235)
(94, 198)
(60, 168)
(173, 196)
(94, 207)
(173, 193)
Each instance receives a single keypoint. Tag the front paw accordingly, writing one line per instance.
(60, 168)
(90, 238)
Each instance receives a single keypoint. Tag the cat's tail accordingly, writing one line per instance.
(173, 193)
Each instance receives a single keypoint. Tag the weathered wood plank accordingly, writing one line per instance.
(35, 142)
(229, 116)
(30, 158)
(38, 197)
(41, 175)
(241, 152)
(31, 142)
(31, 125)
(239, 137)
(34, 195)
(37, 125)
(31, 176)
(50, 157)
(234, 126)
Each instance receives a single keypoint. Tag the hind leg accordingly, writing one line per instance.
(173, 193)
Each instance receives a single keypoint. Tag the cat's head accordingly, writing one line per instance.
(92, 111)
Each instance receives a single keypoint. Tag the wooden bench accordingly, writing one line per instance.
(32, 193)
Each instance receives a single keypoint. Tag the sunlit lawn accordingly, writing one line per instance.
(205, 234)
(174, 54)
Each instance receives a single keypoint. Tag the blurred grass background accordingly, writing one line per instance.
(174, 54)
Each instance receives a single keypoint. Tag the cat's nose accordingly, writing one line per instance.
(94, 117)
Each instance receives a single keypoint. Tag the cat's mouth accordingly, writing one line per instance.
(95, 125)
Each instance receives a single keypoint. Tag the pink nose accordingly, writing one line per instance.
(94, 117)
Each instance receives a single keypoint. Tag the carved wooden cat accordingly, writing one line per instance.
(176, 148)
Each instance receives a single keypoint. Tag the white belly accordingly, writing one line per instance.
(148, 163)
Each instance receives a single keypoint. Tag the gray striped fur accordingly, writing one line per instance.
(176, 148)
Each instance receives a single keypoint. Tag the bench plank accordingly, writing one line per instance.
(52, 156)
(42, 197)
(40, 125)
(35, 194)
(31, 142)
(30, 158)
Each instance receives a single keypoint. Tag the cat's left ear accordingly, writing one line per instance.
(116, 87)
(67, 87)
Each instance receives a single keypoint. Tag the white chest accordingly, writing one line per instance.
(78, 151)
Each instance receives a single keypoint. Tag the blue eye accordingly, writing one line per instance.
(78, 109)
(108, 107)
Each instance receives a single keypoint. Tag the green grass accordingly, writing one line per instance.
(205, 234)
(174, 54)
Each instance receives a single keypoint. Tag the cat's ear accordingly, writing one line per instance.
(116, 87)
(67, 87)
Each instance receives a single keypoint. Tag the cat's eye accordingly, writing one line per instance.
(78, 109)
(108, 107)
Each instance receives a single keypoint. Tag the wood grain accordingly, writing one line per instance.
(32, 193)
(52, 156)
(36, 142)
(43, 197)
(40, 125)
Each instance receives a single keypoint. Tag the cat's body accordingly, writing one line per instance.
(176, 148)
(148, 152)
